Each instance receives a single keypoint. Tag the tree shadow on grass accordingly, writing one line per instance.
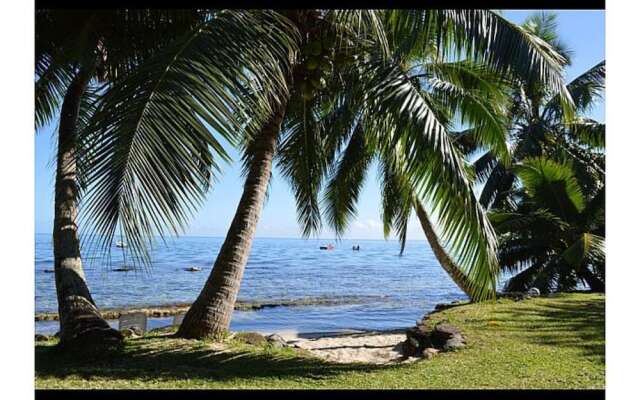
(162, 358)
(576, 324)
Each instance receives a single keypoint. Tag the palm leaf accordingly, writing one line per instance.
(588, 132)
(150, 171)
(345, 181)
(588, 248)
(478, 96)
(302, 160)
(584, 90)
(552, 185)
(51, 84)
(436, 171)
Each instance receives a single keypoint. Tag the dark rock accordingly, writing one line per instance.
(410, 347)
(454, 343)
(41, 338)
(446, 329)
(421, 335)
(443, 333)
(276, 341)
(252, 338)
(57, 334)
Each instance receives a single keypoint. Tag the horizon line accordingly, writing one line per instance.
(266, 237)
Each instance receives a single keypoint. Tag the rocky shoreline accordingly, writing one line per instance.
(169, 310)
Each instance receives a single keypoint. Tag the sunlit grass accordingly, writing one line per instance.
(555, 342)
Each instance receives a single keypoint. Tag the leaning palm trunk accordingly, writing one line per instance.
(443, 258)
(210, 314)
(80, 320)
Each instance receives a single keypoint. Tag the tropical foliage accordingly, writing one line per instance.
(554, 239)
(154, 154)
(77, 53)
(144, 177)
(326, 95)
(548, 203)
(539, 124)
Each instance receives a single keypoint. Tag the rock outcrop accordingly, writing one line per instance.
(426, 342)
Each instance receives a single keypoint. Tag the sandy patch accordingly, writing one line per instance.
(356, 347)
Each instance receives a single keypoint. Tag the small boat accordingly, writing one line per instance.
(121, 244)
(48, 271)
(355, 248)
(327, 247)
(122, 269)
(192, 269)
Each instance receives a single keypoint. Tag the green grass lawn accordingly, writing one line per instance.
(554, 342)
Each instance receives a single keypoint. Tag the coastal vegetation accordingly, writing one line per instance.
(444, 103)
(158, 148)
(77, 54)
(548, 203)
(542, 343)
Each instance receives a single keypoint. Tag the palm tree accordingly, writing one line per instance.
(555, 236)
(153, 155)
(370, 47)
(540, 125)
(462, 92)
(77, 52)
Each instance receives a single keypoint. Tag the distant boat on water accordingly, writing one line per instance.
(327, 247)
(192, 269)
(121, 244)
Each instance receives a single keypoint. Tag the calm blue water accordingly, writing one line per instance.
(391, 291)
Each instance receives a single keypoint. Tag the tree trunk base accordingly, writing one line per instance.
(196, 326)
(83, 326)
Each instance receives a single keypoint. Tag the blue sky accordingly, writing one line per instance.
(582, 31)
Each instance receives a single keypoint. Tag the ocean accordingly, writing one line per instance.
(381, 289)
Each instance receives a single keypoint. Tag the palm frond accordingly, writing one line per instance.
(496, 188)
(361, 24)
(588, 132)
(437, 172)
(397, 199)
(302, 160)
(529, 278)
(539, 220)
(346, 179)
(51, 84)
(478, 96)
(544, 24)
(552, 185)
(588, 248)
(154, 125)
(585, 90)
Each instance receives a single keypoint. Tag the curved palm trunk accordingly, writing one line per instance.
(441, 255)
(80, 320)
(210, 314)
